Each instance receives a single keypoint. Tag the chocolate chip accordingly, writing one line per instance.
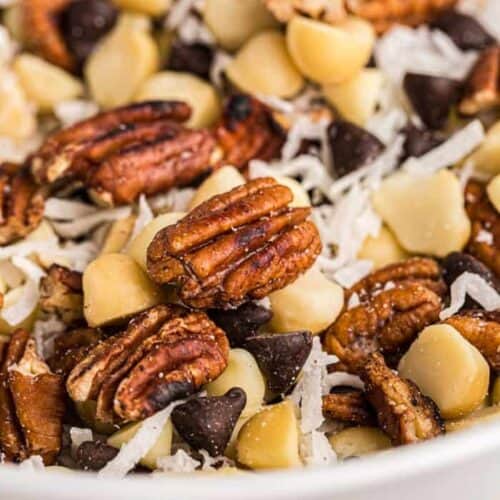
(207, 423)
(94, 455)
(238, 108)
(193, 58)
(242, 323)
(465, 31)
(419, 141)
(280, 357)
(432, 97)
(84, 23)
(352, 147)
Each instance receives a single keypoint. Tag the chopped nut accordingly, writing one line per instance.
(21, 202)
(330, 11)
(387, 322)
(485, 221)
(165, 353)
(61, 294)
(348, 405)
(403, 412)
(235, 247)
(483, 85)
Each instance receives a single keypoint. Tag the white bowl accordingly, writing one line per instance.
(461, 466)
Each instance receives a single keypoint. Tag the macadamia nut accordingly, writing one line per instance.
(382, 249)
(358, 441)
(486, 158)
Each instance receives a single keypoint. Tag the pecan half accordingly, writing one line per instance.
(423, 271)
(482, 89)
(61, 294)
(330, 11)
(165, 353)
(21, 203)
(383, 14)
(235, 247)
(31, 403)
(403, 412)
(485, 220)
(387, 322)
(349, 405)
(481, 329)
(42, 32)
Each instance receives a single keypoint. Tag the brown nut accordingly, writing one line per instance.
(31, 403)
(349, 405)
(403, 412)
(387, 322)
(165, 353)
(235, 247)
(482, 89)
(485, 220)
(61, 294)
(21, 202)
(482, 330)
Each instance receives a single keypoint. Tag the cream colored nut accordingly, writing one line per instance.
(45, 234)
(11, 298)
(115, 287)
(233, 23)
(482, 416)
(487, 157)
(382, 249)
(358, 441)
(13, 21)
(330, 54)
(311, 303)
(356, 98)
(231, 451)
(87, 412)
(139, 246)
(425, 213)
(242, 371)
(495, 391)
(263, 66)
(17, 117)
(135, 21)
(161, 448)
(493, 190)
(300, 196)
(118, 235)
(448, 369)
(149, 7)
(172, 85)
(221, 181)
(270, 439)
(120, 64)
(45, 85)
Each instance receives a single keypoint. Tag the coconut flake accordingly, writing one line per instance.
(32, 464)
(79, 436)
(65, 210)
(303, 129)
(316, 451)
(489, 15)
(144, 439)
(352, 273)
(74, 111)
(475, 287)
(179, 462)
(337, 379)
(484, 236)
(144, 217)
(178, 13)
(175, 200)
(45, 332)
(217, 70)
(353, 301)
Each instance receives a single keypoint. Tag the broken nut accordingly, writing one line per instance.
(349, 405)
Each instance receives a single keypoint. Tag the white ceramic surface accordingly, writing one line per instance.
(462, 466)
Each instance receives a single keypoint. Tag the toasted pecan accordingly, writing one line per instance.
(485, 220)
(235, 247)
(387, 322)
(482, 90)
(403, 412)
(481, 329)
(21, 203)
(348, 405)
(165, 353)
(329, 11)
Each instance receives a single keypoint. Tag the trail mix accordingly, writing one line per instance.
(246, 235)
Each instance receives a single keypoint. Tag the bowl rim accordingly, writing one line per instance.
(350, 477)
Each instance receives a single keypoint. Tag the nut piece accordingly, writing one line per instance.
(165, 353)
(385, 13)
(358, 441)
(486, 157)
(485, 222)
(382, 249)
(349, 405)
(61, 293)
(403, 413)
(329, 11)
(32, 403)
(483, 85)
(21, 201)
(235, 247)
(387, 322)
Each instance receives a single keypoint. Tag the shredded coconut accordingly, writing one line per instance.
(74, 111)
(352, 273)
(79, 436)
(316, 451)
(45, 332)
(64, 210)
(179, 462)
(178, 13)
(33, 464)
(336, 379)
(484, 237)
(353, 301)
(475, 287)
(144, 217)
(176, 200)
(304, 129)
(218, 68)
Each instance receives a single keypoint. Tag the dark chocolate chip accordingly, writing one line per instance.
(238, 108)
(419, 141)
(94, 455)
(280, 356)
(84, 23)
(208, 423)
(432, 97)
(242, 323)
(193, 58)
(465, 31)
(352, 147)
